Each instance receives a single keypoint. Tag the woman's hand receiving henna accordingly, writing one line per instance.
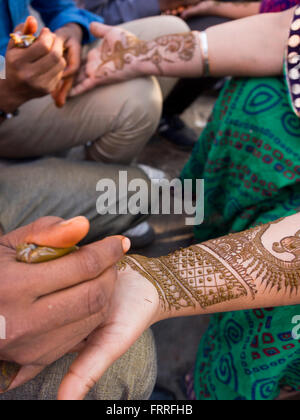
(135, 307)
(122, 56)
(112, 61)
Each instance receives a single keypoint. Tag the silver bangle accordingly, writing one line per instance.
(205, 56)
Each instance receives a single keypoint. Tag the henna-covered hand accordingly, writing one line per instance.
(256, 268)
(122, 56)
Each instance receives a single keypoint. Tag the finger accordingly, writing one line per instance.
(26, 374)
(31, 26)
(53, 62)
(87, 264)
(47, 231)
(52, 78)
(63, 234)
(41, 47)
(100, 30)
(73, 58)
(61, 94)
(96, 358)
(72, 339)
(189, 12)
(77, 303)
(85, 86)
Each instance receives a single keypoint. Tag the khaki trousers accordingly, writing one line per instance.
(117, 120)
(132, 377)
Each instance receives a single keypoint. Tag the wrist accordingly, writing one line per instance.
(141, 65)
(71, 30)
(175, 55)
(144, 290)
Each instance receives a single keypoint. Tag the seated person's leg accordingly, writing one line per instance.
(65, 188)
(132, 377)
(117, 119)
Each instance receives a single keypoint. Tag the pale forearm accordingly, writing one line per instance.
(250, 47)
(253, 269)
(253, 46)
(237, 10)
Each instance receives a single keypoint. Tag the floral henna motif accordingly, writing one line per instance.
(221, 270)
(165, 49)
(122, 52)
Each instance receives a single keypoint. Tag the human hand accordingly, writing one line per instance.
(175, 4)
(71, 36)
(112, 61)
(135, 307)
(204, 7)
(52, 307)
(35, 71)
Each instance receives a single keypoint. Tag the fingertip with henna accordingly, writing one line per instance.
(31, 26)
(99, 30)
(61, 235)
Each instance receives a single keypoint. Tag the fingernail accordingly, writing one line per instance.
(126, 244)
(70, 221)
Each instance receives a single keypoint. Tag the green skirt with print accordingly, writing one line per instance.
(249, 157)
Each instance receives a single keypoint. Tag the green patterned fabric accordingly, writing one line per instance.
(249, 157)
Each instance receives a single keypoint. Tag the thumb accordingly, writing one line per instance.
(103, 348)
(189, 12)
(63, 234)
(31, 26)
(24, 375)
(49, 231)
(61, 93)
(99, 30)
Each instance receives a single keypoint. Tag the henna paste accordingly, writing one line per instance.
(33, 254)
(22, 41)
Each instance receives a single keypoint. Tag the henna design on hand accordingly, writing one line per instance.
(166, 49)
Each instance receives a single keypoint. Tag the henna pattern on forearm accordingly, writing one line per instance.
(190, 276)
(221, 270)
(166, 49)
